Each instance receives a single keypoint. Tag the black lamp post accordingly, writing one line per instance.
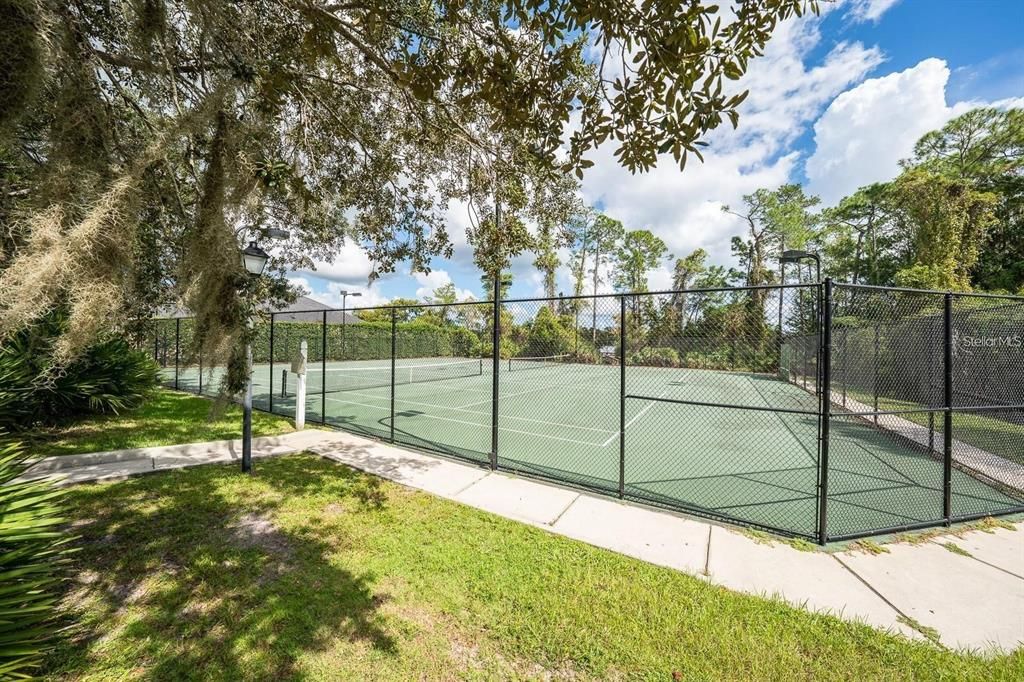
(255, 260)
(796, 255)
(344, 295)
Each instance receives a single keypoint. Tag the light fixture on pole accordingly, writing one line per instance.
(345, 295)
(254, 259)
(796, 255)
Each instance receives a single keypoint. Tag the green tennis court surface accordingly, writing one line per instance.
(561, 421)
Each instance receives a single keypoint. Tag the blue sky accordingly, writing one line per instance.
(835, 102)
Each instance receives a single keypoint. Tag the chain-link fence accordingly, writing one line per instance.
(926, 412)
(819, 411)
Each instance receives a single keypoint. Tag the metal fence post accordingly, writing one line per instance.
(200, 372)
(177, 349)
(394, 340)
(845, 362)
(826, 411)
(496, 361)
(622, 396)
(270, 398)
(323, 368)
(947, 426)
(874, 382)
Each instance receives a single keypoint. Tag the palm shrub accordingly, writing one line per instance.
(108, 377)
(32, 552)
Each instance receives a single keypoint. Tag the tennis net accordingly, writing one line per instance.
(516, 364)
(335, 380)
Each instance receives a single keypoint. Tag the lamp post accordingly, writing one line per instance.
(796, 255)
(344, 295)
(255, 260)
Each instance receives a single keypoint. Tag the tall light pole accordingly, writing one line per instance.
(255, 260)
(796, 255)
(344, 295)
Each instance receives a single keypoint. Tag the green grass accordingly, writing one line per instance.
(167, 418)
(992, 435)
(309, 570)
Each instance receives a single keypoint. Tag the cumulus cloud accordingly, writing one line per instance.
(350, 264)
(302, 284)
(330, 294)
(369, 295)
(868, 129)
(684, 208)
(435, 279)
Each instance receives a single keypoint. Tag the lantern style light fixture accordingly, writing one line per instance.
(254, 259)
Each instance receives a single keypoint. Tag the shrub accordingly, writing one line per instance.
(546, 336)
(32, 547)
(717, 359)
(109, 377)
(465, 343)
(655, 357)
(508, 349)
(362, 340)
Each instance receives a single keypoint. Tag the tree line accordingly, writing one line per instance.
(953, 219)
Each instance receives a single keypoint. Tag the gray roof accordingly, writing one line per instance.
(304, 309)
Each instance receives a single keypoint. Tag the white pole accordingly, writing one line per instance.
(247, 411)
(300, 388)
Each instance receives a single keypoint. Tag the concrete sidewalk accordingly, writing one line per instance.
(973, 600)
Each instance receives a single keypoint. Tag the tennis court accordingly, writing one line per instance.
(560, 420)
(710, 402)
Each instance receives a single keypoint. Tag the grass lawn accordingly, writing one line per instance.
(997, 436)
(167, 418)
(310, 570)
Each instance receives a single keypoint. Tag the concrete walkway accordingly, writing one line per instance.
(973, 600)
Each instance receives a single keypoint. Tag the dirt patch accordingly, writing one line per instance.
(255, 531)
(129, 593)
(335, 509)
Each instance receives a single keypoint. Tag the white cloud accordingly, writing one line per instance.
(684, 208)
(870, 10)
(435, 279)
(350, 264)
(868, 129)
(301, 283)
(369, 295)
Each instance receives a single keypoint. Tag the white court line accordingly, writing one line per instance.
(483, 414)
(561, 387)
(650, 404)
(459, 421)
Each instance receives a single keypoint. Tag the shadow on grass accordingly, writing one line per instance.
(209, 574)
(166, 418)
